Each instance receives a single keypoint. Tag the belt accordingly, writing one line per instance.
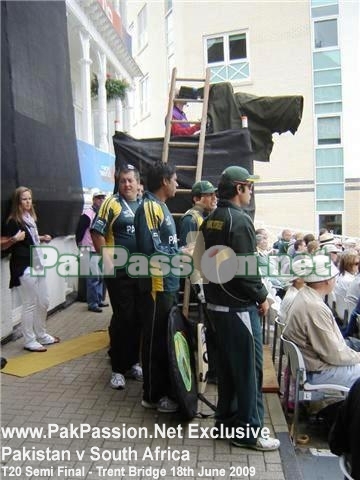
(224, 308)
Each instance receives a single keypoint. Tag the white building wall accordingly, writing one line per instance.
(280, 62)
(350, 59)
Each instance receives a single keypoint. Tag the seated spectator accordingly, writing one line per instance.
(352, 328)
(353, 293)
(295, 285)
(312, 247)
(312, 327)
(348, 268)
(299, 247)
(309, 237)
(295, 237)
(178, 114)
(333, 251)
(268, 267)
(283, 243)
(326, 238)
(323, 230)
(344, 434)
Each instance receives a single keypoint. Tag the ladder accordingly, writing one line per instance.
(199, 145)
(201, 137)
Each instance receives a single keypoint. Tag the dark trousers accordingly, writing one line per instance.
(239, 369)
(155, 360)
(125, 328)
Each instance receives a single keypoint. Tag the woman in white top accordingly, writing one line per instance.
(348, 267)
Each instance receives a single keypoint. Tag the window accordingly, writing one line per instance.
(333, 223)
(142, 28)
(326, 33)
(144, 96)
(227, 56)
(328, 130)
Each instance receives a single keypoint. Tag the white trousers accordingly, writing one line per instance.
(35, 302)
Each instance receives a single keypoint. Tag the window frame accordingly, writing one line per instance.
(325, 19)
(328, 145)
(226, 50)
(142, 28)
(144, 96)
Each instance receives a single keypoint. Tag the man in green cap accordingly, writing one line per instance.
(203, 196)
(236, 302)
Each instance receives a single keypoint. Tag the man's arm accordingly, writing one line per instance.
(328, 342)
(187, 225)
(83, 224)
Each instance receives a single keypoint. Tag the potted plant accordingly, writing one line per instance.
(115, 88)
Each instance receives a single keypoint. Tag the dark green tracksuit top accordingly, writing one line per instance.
(229, 225)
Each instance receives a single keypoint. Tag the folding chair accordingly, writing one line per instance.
(278, 328)
(305, 391)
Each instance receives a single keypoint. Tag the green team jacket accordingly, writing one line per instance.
(155, 233)
(229, 225)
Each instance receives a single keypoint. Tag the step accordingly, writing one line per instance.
(185, 167)
(178, 79)
(189, 100)
(183, 144)
(183, 190)
(185, 121)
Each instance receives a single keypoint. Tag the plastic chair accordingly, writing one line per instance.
(345, 467)
(278, 328)
(305, 391)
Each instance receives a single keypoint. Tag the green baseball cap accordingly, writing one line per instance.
(200, 188)
(237, 174)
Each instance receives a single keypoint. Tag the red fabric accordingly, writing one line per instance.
(177, 129)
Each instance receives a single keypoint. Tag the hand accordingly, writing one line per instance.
(46, 238)
(19, 236)
(188, 250)
(263, 308)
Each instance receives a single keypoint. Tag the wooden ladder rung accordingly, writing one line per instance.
(177, 214)
(183, 144)
(184, 121)
(189, 100)
(178, 79)
(185, 167)
(183, 190)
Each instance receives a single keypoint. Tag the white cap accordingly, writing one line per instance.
(98, 193)
(315, 268)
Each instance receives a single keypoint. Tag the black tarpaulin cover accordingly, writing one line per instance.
(38, 130)
(266, 115)
(222, 149)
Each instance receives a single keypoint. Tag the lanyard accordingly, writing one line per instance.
(132, 214)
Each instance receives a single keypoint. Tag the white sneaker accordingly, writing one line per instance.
(166, 405)
(262, 444)
(136, 372)
(117, 381)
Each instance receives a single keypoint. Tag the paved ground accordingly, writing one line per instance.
(77, 393)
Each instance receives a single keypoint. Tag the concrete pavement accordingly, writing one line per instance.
(113, 444)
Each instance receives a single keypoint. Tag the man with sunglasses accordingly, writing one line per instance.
(235, 306)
